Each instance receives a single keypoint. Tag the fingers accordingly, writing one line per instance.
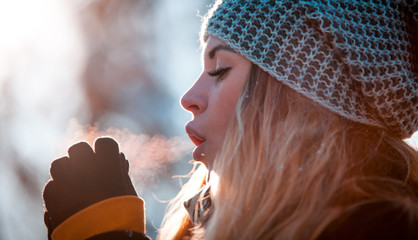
(55, 196)
(113, 165)
(59, 169)
(84, 178)
(82, 160)
(124, 162)
(130, 190)
(81, 157)
(46, 192)
(107, 152)
(49, 224)
(81, 152)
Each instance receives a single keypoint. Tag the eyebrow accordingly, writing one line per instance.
(219, 47)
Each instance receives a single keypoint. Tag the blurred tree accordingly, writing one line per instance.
(120, 90)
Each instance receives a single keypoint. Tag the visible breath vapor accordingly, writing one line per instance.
(149, 156)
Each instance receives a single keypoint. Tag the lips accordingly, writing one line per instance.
(194, 136)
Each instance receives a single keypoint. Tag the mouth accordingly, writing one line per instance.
(194, 136)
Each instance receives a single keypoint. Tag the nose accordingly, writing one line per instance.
(195, 100)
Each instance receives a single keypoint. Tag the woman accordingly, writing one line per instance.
(298, 118)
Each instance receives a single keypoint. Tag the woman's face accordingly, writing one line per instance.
(213, 97)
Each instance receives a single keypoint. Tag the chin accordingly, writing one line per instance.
(200, 159)
(208, 164)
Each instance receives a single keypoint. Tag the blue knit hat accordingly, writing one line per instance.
(359, 59)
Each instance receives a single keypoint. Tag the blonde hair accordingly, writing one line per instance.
(290, 167)
(176, 223)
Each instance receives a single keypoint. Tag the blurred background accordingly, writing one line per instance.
(73, 70)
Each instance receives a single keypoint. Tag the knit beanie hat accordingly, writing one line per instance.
(357, 58)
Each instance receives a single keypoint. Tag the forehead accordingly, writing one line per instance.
(210, 44)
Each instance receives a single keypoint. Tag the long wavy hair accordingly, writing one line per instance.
(289, 167)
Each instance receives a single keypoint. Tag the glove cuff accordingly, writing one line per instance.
(117, 213)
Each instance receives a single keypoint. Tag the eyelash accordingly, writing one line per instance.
(219, 73)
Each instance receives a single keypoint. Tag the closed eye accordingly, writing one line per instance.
(219, 73)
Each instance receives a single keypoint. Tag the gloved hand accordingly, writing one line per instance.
(85, 178)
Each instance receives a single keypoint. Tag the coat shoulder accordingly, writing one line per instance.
(380, 219)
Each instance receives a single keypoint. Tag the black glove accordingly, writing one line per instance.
(85, 178)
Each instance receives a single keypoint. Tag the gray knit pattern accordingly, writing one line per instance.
(356, 58)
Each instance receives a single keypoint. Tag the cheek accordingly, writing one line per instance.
(228, 109)
(225, 103)
(225, 111)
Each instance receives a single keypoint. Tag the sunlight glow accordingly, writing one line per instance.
(41, 30)
(42, 55)
(413, 141)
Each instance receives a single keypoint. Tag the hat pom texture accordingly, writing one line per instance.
(359, 59)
